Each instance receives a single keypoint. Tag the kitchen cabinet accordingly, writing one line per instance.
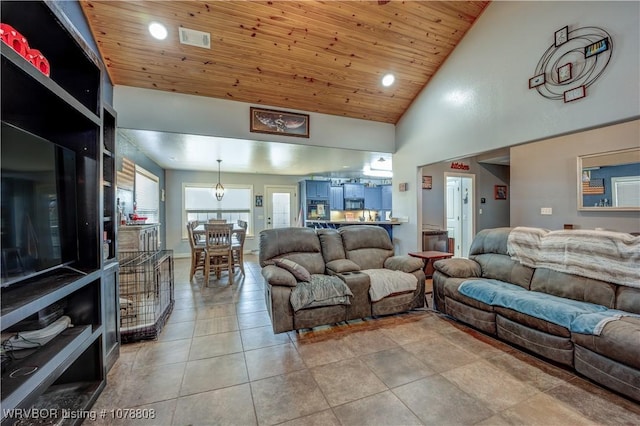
(139, 237)
(353, 190)
(386, 197)
(316, 189)
(372, 198)
(337, 198)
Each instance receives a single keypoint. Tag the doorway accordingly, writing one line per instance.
(280, 206)
(459, 209)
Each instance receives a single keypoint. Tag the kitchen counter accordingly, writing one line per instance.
(353, 222)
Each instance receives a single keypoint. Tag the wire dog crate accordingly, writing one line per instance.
(146, 293)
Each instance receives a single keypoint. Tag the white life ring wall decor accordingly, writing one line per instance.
(575, 60)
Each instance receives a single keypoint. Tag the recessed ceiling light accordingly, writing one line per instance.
(158, 30)
(388, 80)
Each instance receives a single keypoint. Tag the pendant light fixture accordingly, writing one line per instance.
(219, 187)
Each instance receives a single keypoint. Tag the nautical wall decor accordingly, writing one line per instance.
(575, 60)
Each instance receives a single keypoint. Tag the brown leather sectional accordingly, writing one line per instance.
(611, 358)
(343, 253)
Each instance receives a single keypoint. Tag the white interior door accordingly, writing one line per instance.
(453, 213)
(280, 206)
(459, 212)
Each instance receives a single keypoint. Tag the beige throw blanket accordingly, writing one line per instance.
(384, 282)
(602, 255)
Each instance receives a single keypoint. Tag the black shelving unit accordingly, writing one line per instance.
(64, 108)
(111, 293)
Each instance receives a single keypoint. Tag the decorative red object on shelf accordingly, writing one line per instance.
(19, 43)
(14, 39)
(39, 61)
(4, 32)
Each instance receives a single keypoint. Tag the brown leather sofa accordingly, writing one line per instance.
(343, 253)
(611, 358)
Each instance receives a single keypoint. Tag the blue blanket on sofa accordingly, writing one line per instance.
(554, 309)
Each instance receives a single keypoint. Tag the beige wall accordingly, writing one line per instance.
(479, 99)
(544, 174)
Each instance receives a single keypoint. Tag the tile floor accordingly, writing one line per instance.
(217, 362)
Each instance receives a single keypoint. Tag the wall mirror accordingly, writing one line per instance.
(609, 181)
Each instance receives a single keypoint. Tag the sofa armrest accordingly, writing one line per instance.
(342, 265)
(404, 263)
(278, 276)
(458, 268)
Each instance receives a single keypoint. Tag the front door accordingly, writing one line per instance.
(280, 206)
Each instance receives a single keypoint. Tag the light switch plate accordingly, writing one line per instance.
(546, 210)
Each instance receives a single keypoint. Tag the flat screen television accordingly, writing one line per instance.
(38, 205)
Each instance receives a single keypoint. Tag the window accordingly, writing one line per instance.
(626, 191)
(147, 195)
(200, 204)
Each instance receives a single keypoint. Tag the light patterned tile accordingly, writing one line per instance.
(228, 406)
(494, 387)
(437, 401)
(272, 361)
(346, 381)
(379, 409)
(286, 397)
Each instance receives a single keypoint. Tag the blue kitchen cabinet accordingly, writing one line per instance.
(373, 198)
(353, 191)
(386, 197)
(337, 198)
(318, 189)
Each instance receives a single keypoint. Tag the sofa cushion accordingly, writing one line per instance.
(573, 287)
(301, 245)
(367, 245)
(342, 265)
(297, 270)
(501, 267)
(628, 299)
(278, 276)
(331, 243)
(458, 267)
(490, 241)
(404, 263)
(450, 290)
(619, 340)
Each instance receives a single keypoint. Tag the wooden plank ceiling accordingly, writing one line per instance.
(319, 56)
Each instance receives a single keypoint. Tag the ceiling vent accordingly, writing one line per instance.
(195, 38)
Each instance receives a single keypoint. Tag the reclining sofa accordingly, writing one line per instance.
(570, 296)
(356, 256)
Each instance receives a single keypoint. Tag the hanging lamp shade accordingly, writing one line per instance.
(219, 188)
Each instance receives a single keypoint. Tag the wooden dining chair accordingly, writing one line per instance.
(218, 254)
(197, 250)
(217, 221)
(237, 247)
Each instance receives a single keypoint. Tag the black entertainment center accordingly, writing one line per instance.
(58, 230)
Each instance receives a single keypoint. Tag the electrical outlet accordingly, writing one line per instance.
(480, 212)
(546, 210)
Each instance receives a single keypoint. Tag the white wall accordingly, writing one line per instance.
(542, 180)
(178, 113)
(174, 203)
(479, 99)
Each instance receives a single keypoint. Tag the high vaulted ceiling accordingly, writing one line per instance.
(320, 56)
